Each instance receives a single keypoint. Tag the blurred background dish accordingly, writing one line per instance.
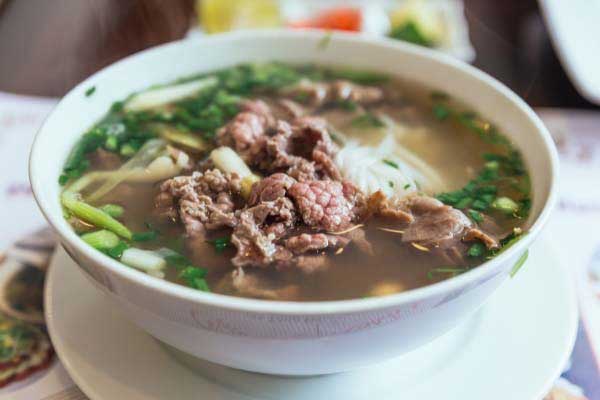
(573, 26)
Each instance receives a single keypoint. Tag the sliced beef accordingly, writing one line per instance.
(487, 239)
(290, 109)
(258, 229)
(271, 188)
(358, 237)
(247, 132)
(303, 150)
(309, 264)
(321, 93)
(307, 242)
(429, 223)
(434, 222)
(346, 90)
(324, 204)
(203, 200)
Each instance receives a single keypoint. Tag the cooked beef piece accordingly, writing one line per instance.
(270, 188)
(203, 200)
(304, 150)
(321, 93)
(290, 109)
(310, 133)
(312, 242)
(429, 222)
(487, 239)
(310, 264)
(247, 132)
(259, 108)
(104, 160)
(434, 222)
(346, 90)
(359, 239)
(281, 157)
(326, 205)
(258, 229)
(393, 209)
(253, 284)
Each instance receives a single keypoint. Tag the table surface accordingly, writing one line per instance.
(46, 47)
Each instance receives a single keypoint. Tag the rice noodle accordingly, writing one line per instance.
(388, 167)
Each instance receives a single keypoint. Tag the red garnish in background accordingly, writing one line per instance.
(343, 19)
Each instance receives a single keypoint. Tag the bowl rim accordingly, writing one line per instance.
(38, 157)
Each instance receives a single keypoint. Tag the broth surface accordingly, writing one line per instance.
(448, 137)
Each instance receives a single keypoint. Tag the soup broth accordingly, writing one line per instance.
(300, 183)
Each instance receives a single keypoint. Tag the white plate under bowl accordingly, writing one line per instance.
(513, 348)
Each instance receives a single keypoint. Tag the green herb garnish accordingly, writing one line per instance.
(144, 236)
(367, 120)
(476, 250)
(194, 277)
(410, 32)
(440, 112)
(519, 264)
(475, 216)
(391, 163)
(117, 251)
(90, 91)
(221, 243)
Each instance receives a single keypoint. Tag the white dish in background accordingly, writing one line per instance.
(513, 348)
(574, 27)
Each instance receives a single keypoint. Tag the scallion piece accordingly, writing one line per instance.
(519, 263)
(101, 240)
(113, 210)
(93, 215)
(505, 205)
(476, 250)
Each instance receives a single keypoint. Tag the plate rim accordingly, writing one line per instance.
(90, 390)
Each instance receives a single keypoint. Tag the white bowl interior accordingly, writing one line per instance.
(76, 112)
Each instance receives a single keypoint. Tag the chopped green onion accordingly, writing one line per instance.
(221, 243)
(117, 251)
(440, 112)
(480, 205)
(111, 143)
(146, 260)
(144, 236)
(475, 215)
(519, 263)
(406, 186)
(127, 150)
(391, 163)
(195, 278)
(505, 205)
(410, 32)
(90, 91)
(113, 210)
(101, 240)
(463, 203)
(476, 250)
(391, 184)
(93, 215)
(367, 120)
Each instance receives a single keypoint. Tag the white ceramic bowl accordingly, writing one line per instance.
(285, 337)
